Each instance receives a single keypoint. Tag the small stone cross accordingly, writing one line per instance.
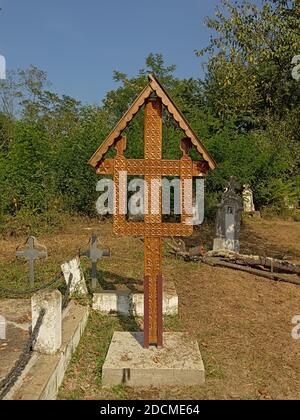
(30, 253)
(94, 254)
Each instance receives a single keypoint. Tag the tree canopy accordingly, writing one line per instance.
(246, 111)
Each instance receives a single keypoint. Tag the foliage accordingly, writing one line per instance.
(250, 90)
(246, 111)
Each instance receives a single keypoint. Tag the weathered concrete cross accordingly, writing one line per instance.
(31, 254)
(95, 254)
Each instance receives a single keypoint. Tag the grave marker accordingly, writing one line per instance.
(152, 168)
(248, 199)
(30, 253)
(49, 338)
(77, 282)
(228, 219)
(95, 254)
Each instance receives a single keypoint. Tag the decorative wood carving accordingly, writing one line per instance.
(153, 168)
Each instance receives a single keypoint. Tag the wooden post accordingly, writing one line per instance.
(152, 167)
(152, 245)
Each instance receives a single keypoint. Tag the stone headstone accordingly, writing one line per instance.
(228, 220)
(73, 268)
(49, 338)
(248, 199)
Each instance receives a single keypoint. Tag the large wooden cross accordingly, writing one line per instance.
(152, 168)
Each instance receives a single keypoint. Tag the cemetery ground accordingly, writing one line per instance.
(242, 322)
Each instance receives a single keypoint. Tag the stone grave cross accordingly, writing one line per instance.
(30, 253)
(95, 254)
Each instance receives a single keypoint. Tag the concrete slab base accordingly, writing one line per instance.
(178, 363)
(229, 244)
(128, 303)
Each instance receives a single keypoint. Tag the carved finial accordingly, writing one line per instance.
(232, 184)
(120, 146)
(185, 146)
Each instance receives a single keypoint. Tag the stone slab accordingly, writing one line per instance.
(178, 363)
(78, 285)
(44, 373)
(50, 333)
(128, 303)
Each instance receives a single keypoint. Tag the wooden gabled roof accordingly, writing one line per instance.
(153, 86)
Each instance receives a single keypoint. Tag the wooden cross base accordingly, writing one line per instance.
(153, 293)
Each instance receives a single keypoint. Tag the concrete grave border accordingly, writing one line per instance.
(44, 373)
(132, 303)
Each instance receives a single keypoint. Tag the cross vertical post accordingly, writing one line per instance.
(153, 245)
(31, 272)
(93, 256)
(152, 168)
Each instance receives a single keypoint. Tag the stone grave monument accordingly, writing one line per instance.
(228, 219)
(248, 199)
(248, 202)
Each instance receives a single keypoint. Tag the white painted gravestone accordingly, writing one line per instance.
(73, 268)
(248, 199)
(49, 338)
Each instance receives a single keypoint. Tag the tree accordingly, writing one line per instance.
(249, 87)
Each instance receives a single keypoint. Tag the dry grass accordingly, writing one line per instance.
(242, 322)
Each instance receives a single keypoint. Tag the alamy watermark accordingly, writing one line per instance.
(159, 196)
(296, 68)
(2, 67)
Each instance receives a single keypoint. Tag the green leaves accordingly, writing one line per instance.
(250, 89)
(246, 111)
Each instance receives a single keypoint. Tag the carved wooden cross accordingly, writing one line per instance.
(152, 167)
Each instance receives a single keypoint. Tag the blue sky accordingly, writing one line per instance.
(80, 43)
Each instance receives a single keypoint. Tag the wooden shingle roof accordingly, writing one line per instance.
(153, 86)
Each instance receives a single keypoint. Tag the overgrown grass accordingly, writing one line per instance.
(15, 276)
(86, 364)
(270, 213)
(27, 222)
(90, 355)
